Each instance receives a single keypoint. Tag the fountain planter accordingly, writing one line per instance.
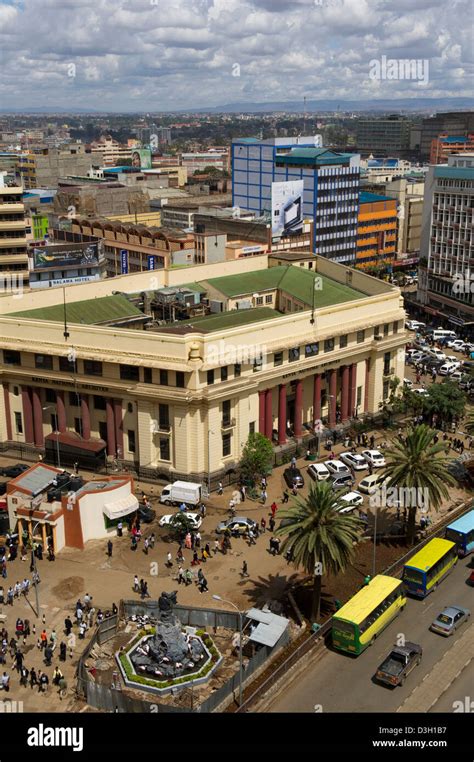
(134, 679)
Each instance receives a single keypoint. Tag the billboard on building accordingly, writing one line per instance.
(287, 208)
(65, 255)
(141, 158)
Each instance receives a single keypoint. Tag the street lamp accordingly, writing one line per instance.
(34, 566)
(375, 541)
(51, 407)
(209, 432)
(218, 598)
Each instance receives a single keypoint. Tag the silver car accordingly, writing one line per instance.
(449, 620)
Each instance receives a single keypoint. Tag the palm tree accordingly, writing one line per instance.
(416, 463)
(319, 537)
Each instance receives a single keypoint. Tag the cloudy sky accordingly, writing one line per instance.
(156, 55)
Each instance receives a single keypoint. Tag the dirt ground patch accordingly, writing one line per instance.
(70, 587)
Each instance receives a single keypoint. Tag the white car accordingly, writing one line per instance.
(423, 392)
(194, 518)
(457, 375)
(407, 382)
(336, 467)
(456, 344)
(352, 499)
(453, 359)
(374, 457)
(356, 461)
(318, 472)
(448, 368)
(437, 354)
(414, 325)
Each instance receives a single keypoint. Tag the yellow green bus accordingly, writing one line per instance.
(356, 625)
(425, 570)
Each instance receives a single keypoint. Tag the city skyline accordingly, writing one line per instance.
(129, 56)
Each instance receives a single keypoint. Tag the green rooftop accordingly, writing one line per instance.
(90, 311)
(295, 281)
(223, 320)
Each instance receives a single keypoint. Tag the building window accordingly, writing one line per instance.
(131, 441)
(129, 372)
(278, 358)
(180, 379)
(385, 329)
(164, 417)
(226, 444)
(50, 395)
(395, 326)
(74, 399)
(210, 377)
(385, 389)
(328, 345)
(164, 448)
(16, 391)
(268, 299)
(11, 357)
(129, 407)
(376, 331)
(147, 376)
(293, 354)
(99, 403)
(252, 427)
(237, 370)
(65, 366)
(224, 373)
(259, 301)
(226, 410)
(163, 378)
(311, 349)
(78, 426)
(359, 396)
(45, 362)
(257, 364)
(93, 368)
(343, 341)
(18, 423)
(360, 336)
(386, 364)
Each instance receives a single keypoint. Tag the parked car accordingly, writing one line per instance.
(194, 518)
(448, 368)
(422, 391)
(407, 383)
(336, 466)
(241, 522)
(456, 344)
(414, 325)
(342, 481)
(293, 477)
(456, 376)
(14, 471)
(146, 514)
(466, 381)
(370, 483)
(318, 472)
(353, 499)
(374, 457)
(354, 460)
(470, 579)
(449, 620)
(399, 663)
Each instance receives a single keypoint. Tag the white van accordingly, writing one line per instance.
(369, 483)
(440, 333)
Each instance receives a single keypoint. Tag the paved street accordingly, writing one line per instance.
(341, 683)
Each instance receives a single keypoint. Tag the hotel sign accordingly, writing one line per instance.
(55, 382)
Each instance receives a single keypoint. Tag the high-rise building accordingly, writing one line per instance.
(330, 187)
(377, 232)
(447, 254)
(13, 246)
(449, 123)
(384, 136)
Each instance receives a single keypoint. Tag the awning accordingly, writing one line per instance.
(270, 627)
(121, 507)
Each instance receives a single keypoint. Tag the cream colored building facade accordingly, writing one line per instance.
(181, 403)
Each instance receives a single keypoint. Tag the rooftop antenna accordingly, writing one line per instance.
(66, 332)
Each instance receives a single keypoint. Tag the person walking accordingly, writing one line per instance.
(264, 496)
(110, 548)
(220, 489)
(181, 577)
(285, 496)
(119, 529)
(263, 524)
(145, 546)
(10, 595)
(273, 509)
(195, 561)
(197, 539)
(67, 625)
(33, 678)
(44, 639)
(24, 677)
(271, 524)
(5, 682)
(151, 540)
(244, 572)
(216, 547)
(43, 682)
(203, 588)
(169, 560)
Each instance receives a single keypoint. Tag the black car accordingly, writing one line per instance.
(293, 477)
(146, 514)
(14, 471)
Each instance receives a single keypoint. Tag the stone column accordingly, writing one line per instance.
(118, 426)
(27, 414)
(61, 412)
(366, 387)
(332, 399)
(111, 450)
(261, 412)
(86, 417)
(316, 397)
(8, 415)
(345, 393)
(282, 414)
(269, 413)
(298, 408)
(353, 389)
(38, 418)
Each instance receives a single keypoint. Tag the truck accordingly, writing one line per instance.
(189, 493)
(399, 663)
